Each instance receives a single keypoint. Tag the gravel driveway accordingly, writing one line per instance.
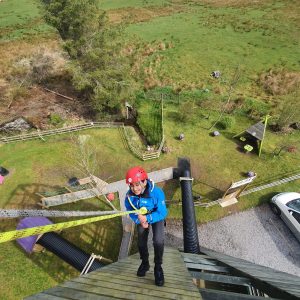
(256, 235)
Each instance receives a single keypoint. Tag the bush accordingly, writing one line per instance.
(255, 108)
(17, 92)
(149, 121)
(226, 122)
(186, 111)
(170, 95)
(166, 92)
(289, 114)
(55, 120)
(279, 81)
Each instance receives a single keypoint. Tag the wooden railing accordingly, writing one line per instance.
(143, 155)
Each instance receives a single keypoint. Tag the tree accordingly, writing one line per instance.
(290, 113)
(73, 19)
(231, 86)
(101, 69)
(86, 163)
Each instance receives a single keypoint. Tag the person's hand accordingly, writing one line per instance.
(145, 224)
(142, 219)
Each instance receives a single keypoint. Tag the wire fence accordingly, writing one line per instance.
(143, 155)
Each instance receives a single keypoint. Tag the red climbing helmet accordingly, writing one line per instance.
(136, 174)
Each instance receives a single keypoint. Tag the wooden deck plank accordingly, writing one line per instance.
(147, 280)
(192, 255)
(208, 294)
(125, 267)
(207, 267)
(119, 280)
(136, 287)
(274, 283)
(42, 296)
(200, 261)
(220, 278)
(121, 293)
(76, 294)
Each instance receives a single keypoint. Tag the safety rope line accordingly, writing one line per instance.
(130, 202)
(15, 213)
(17, 234)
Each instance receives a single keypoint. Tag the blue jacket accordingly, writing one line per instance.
(153, 199)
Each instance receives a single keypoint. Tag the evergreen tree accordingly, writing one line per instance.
(101, 70)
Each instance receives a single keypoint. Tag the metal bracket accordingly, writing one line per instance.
(186, 178)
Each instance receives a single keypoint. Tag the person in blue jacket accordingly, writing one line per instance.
(143, 193)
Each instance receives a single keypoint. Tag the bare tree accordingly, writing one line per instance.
(291, 111)
(231, 86)
(85, 161)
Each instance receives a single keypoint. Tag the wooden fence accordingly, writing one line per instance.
(143, 155)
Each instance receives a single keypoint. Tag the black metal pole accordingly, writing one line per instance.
(67, 251)
(190, 232)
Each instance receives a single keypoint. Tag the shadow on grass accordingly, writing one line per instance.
(275, 177)
(169, 187)
(213, 194)
(102, 238)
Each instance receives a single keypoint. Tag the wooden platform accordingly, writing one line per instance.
(119, 281)
(274, 283)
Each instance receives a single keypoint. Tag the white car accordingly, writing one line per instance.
(287, 206)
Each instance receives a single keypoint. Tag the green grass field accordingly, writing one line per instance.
(21, 19)
(209, 38)
(203, 38)
(44, 166)
(107, 5)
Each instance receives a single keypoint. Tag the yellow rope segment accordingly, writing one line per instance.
(17, 234)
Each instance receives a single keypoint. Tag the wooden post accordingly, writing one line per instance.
(265, 127)
(162, 116)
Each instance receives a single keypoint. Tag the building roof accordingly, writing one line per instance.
(257, 130)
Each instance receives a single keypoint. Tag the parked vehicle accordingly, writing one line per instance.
(287, 206)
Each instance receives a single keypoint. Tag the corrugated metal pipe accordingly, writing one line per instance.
(67, 251)
(190, 232)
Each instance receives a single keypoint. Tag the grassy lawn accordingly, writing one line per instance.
(216, 161)
(43, 166)
(107, 5)
(203, 38)
(21, 19)
(220, 38)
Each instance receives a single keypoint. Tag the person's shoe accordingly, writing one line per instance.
(143, 268)
(159, 276)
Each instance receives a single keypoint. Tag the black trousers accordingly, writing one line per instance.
(158, 230)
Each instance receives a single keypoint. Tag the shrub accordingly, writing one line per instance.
(149, 121)
(289, 113)
(55, 119)
(226, 122)
(17, 92)
(186, 111)
(195, 95)
(166, 92)
(279, 81)
(255, 108)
